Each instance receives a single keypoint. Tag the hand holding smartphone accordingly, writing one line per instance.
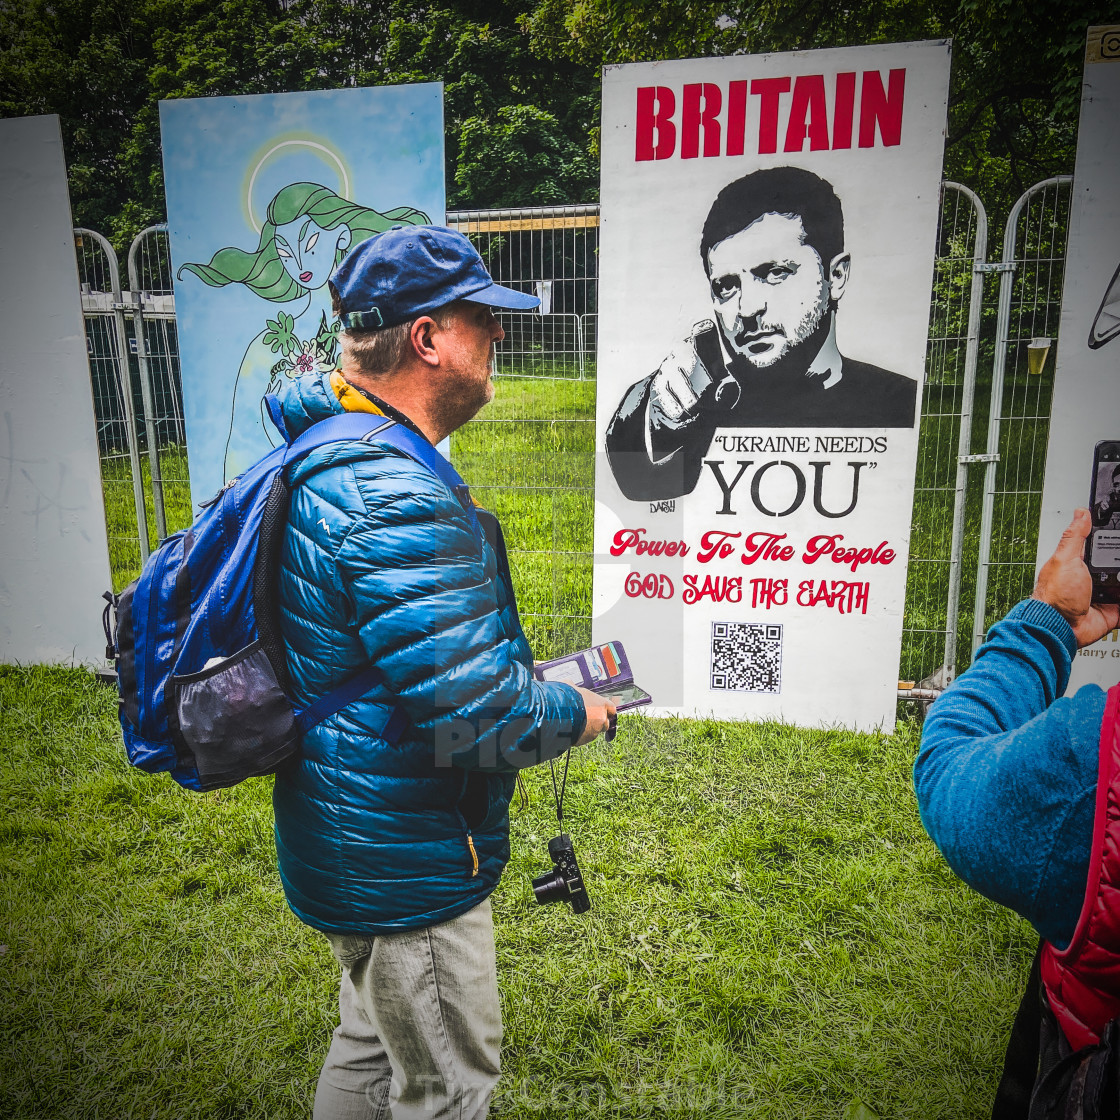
(603, 669)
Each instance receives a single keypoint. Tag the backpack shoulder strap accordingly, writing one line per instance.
(1020, 1063)
(345, 426)
(426, 455)
(354, 425)
(365, 427)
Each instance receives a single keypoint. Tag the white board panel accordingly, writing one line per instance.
(1086, 405)
(767, 245)
(54, 556)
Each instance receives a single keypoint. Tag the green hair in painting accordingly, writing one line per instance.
(263, 271)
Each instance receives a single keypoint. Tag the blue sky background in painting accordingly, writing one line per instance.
(389, 142)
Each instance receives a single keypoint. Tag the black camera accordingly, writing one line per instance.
(563, 883)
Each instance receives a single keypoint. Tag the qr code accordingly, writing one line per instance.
(746, 657)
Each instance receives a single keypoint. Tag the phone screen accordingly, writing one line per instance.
(1105, 549)
(627, 696)
(1102, 557)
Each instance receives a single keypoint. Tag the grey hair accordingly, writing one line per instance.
(380, 352)
(375, 353)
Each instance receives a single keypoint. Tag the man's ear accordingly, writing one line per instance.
(421, 337)
(838, 270)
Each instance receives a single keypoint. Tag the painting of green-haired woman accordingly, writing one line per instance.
(307, 231)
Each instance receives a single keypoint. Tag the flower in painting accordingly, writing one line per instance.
(307, 359)
(304, 357)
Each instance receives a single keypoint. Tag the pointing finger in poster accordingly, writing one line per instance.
(678, 384)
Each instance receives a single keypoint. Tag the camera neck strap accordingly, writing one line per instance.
(558, 790)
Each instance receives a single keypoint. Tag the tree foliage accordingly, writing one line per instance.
(520, 77)
(516, 126)
(1016, 82)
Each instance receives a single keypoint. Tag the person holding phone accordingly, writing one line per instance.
(1007, 786)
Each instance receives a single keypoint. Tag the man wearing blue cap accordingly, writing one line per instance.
(392, 827)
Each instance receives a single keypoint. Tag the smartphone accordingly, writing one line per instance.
(1102, 554)
(604, 669)
(628, 696)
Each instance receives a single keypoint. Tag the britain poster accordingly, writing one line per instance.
(265, 194)
(1086, 405)
(767, 247)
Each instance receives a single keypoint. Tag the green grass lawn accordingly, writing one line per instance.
(530, 457)
(772, 935)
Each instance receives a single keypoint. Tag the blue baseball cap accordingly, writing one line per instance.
(397, 275)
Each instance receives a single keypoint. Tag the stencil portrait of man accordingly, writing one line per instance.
(1106, 507)
(772, 247)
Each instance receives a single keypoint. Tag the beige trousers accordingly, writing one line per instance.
(421, 1026)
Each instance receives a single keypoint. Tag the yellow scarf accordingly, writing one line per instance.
(350, 398)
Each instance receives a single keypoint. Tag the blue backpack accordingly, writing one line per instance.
(201, 666)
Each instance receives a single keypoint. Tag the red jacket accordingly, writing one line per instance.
(1083, 980)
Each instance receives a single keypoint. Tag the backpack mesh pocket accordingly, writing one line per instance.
(235, 718)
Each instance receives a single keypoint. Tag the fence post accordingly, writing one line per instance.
(968, 393)
(1006, 269)
(125, 387)
(146, 393)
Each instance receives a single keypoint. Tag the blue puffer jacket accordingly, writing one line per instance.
(380, 564)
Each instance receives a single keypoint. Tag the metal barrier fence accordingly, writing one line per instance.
(1030, 304)
(530, 455)
(122, 476)
(155, 342)
(937, 528)
(552, 252)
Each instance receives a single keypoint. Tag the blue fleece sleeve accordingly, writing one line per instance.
(1006, 776)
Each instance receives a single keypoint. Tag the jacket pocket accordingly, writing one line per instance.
(485, 800)
(476, 799)
(235, 718)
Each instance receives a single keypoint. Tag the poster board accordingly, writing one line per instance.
(265, 193)
(767, 247)
(54, 555)
(1086, 402)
